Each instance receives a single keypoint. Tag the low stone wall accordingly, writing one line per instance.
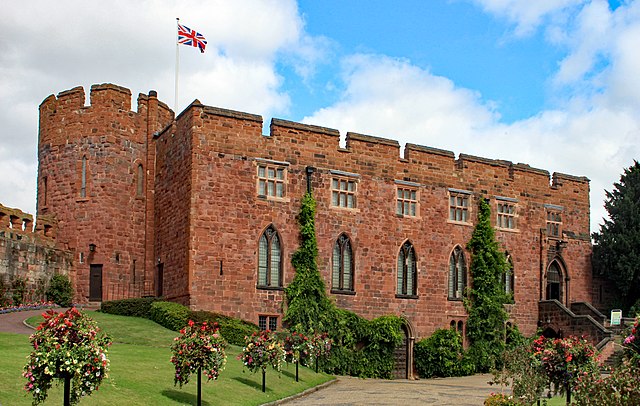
(29, 254)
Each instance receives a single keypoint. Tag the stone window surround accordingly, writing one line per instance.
(466, 210)
(411, 187)
(553, 220)
(343, 242)
(269, 233)
(510, 202)
(268, 321)
(272, 164)
(350, 178)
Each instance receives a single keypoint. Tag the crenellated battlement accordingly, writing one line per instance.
(321, 142)
(21, 223)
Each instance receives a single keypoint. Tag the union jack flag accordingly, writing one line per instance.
(187, 36)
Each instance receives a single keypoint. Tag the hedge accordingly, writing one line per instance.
(135, 307)
(175, 316)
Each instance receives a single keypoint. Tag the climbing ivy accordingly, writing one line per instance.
(486, 296)
(360, 347)
(308, 307)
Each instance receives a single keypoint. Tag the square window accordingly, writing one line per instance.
(271, 181)
(554, 223)
(506, 215)
(268, 322)
(407, 202)
(343, 193)
(459, 207)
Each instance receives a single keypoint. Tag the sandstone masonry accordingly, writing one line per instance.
(180, 207)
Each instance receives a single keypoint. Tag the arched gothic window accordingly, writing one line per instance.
(554, 282)
(407, 274)
(269, 259)
(342, 272)
(457, 273)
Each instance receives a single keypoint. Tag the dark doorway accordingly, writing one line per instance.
(401, 357)
(95, 283)
(159, 279)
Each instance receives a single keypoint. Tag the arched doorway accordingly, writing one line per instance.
(554, 282)
(403, 354)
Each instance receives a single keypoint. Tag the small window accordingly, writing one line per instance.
(44, 191)
(406, 201)
(506, 215)
(269, 260)
(83, 178)
(81, 257)
(459, 207)
(509, 279)
(271, 180)
(342, 272)
(407, 272)
(457, 274)
(268, 323)
(343, 193)
(140, 181)
(554, 223)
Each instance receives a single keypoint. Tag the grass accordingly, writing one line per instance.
(141, 373)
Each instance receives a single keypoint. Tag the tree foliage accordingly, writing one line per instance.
(616, 253)
(486, 297)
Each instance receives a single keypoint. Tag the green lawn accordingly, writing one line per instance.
(142, 374)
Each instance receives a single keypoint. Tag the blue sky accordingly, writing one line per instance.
(550, 83)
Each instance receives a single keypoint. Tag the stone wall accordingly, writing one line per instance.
(95, 175)
(28, 253)
(213, 218)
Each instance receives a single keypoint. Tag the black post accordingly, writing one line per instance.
(67, 390)
(309, 171)
(264, 372)
(296, 371)
(316, 365)
(199, 386)
(568, 387)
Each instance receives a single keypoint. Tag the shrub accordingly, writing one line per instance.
(4, 299)
(442, 355)
(135, 307)
(233, 330)
(500, 399)
(19, 287)
(620, 387)
(60, 290)
(173, 316)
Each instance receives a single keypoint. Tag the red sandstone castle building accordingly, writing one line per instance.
(201, 209)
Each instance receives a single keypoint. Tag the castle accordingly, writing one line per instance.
(201, 209)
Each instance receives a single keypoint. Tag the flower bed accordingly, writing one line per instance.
(27, 306)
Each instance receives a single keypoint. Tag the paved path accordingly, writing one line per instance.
(13, 322)
(470, 390)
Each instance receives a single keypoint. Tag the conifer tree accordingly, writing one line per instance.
(616, 253)
(309, 309)
(486, 297)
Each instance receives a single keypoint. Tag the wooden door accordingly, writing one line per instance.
(95, 283)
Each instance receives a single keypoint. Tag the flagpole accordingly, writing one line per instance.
(175, 105)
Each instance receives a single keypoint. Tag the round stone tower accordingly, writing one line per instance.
(95, 177)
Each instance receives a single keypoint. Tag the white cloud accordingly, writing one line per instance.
(382, 92)
(528, 15)
(47, 47)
